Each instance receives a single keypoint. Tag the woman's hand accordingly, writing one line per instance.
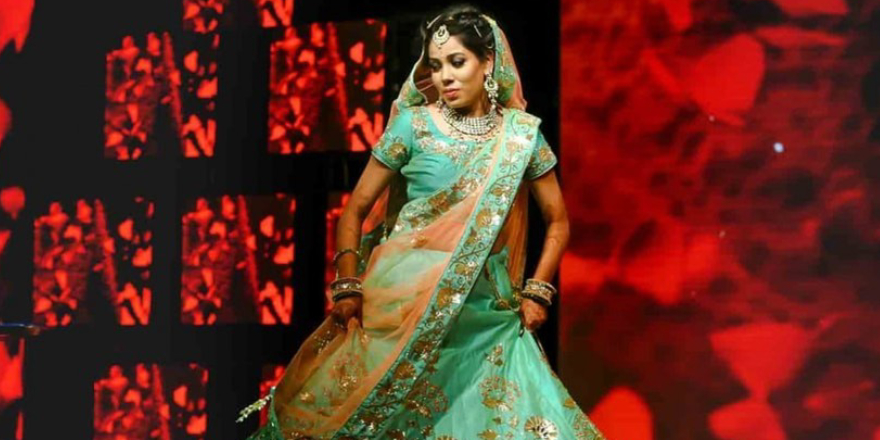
(533, 314)
(346, 308)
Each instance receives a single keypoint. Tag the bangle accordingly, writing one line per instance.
(345, 287)
(539, 291)
(346, 294)
(536, 298)
(343, 252)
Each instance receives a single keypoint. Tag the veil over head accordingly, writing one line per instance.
(419, 89)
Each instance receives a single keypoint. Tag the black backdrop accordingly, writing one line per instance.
(55, 89)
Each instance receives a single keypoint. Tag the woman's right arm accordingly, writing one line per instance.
(372, 182)
(375, 178)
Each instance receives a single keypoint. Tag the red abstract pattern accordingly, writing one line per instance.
(719, 164)
(12, 201)
(11, 388)
(199, 75)
(140, 79)
(275, 13)
(144, 78)
(238, 253)
(325, 83)
(149, 401)
(91, 265)
(15, 25)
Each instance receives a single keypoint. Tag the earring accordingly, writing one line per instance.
(491, 87)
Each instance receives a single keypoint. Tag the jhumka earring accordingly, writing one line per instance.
(491, 87)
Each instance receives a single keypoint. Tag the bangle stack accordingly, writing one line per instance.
(345, 287)
(539, 291)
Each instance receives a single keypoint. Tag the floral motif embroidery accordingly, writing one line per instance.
(541, 428)
(391, 150)
(496, 356)
(347, 372)
(457, 152)
(584, 428)
(541, 161)
(426, 399)
(488, 435)
(499, 393)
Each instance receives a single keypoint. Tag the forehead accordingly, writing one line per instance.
(451, 46)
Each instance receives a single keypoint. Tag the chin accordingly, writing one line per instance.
(457, 103)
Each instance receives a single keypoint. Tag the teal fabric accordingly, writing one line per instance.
(428, 158)
(494, 380)
(489, 378)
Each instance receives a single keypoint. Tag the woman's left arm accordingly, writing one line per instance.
(549, 196)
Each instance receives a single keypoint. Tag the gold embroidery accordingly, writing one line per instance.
(496, 356)
(404, 370)
(448, 296)
(541, 161)
(427, 142)
(569, 403)
(541, 428)
(499, 393)
(347, 371)
(397, 150)
(307, 397)
(488, 435)
(584, 429)
(514, 420)
(392, 149)
(426, 399)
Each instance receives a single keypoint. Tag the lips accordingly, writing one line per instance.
(449, 93)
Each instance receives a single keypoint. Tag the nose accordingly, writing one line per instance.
(445, 74)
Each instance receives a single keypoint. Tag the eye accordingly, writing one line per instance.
(458, 63)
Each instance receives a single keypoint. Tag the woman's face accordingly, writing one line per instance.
(457, 73)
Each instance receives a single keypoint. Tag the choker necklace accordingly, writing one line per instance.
(471, 126)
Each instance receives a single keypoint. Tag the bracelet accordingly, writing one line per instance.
(539, 291)
(345, 287)
(347, 294)
(343, 252)
(536, 298)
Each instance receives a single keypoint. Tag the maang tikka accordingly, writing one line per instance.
(441, 35)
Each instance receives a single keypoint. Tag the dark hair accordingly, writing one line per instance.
(465, 22)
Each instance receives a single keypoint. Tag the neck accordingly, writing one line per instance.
(480, 108)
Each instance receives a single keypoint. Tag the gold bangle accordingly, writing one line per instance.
(343, 252)
(346, 286)
(539, 290)
(346, 294)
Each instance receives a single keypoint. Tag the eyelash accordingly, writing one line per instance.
(457, 64)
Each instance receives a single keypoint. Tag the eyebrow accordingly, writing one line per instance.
(447, 56)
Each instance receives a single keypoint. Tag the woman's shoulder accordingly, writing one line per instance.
(524, 117)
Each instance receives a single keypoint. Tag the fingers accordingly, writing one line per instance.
(533, 316)
(344, 310)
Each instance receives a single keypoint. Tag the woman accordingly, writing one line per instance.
(426, 338)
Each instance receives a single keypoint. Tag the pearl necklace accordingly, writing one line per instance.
(467, 125)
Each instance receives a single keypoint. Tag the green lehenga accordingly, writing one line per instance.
(441, 352)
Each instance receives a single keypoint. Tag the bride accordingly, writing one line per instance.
(431, 330)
